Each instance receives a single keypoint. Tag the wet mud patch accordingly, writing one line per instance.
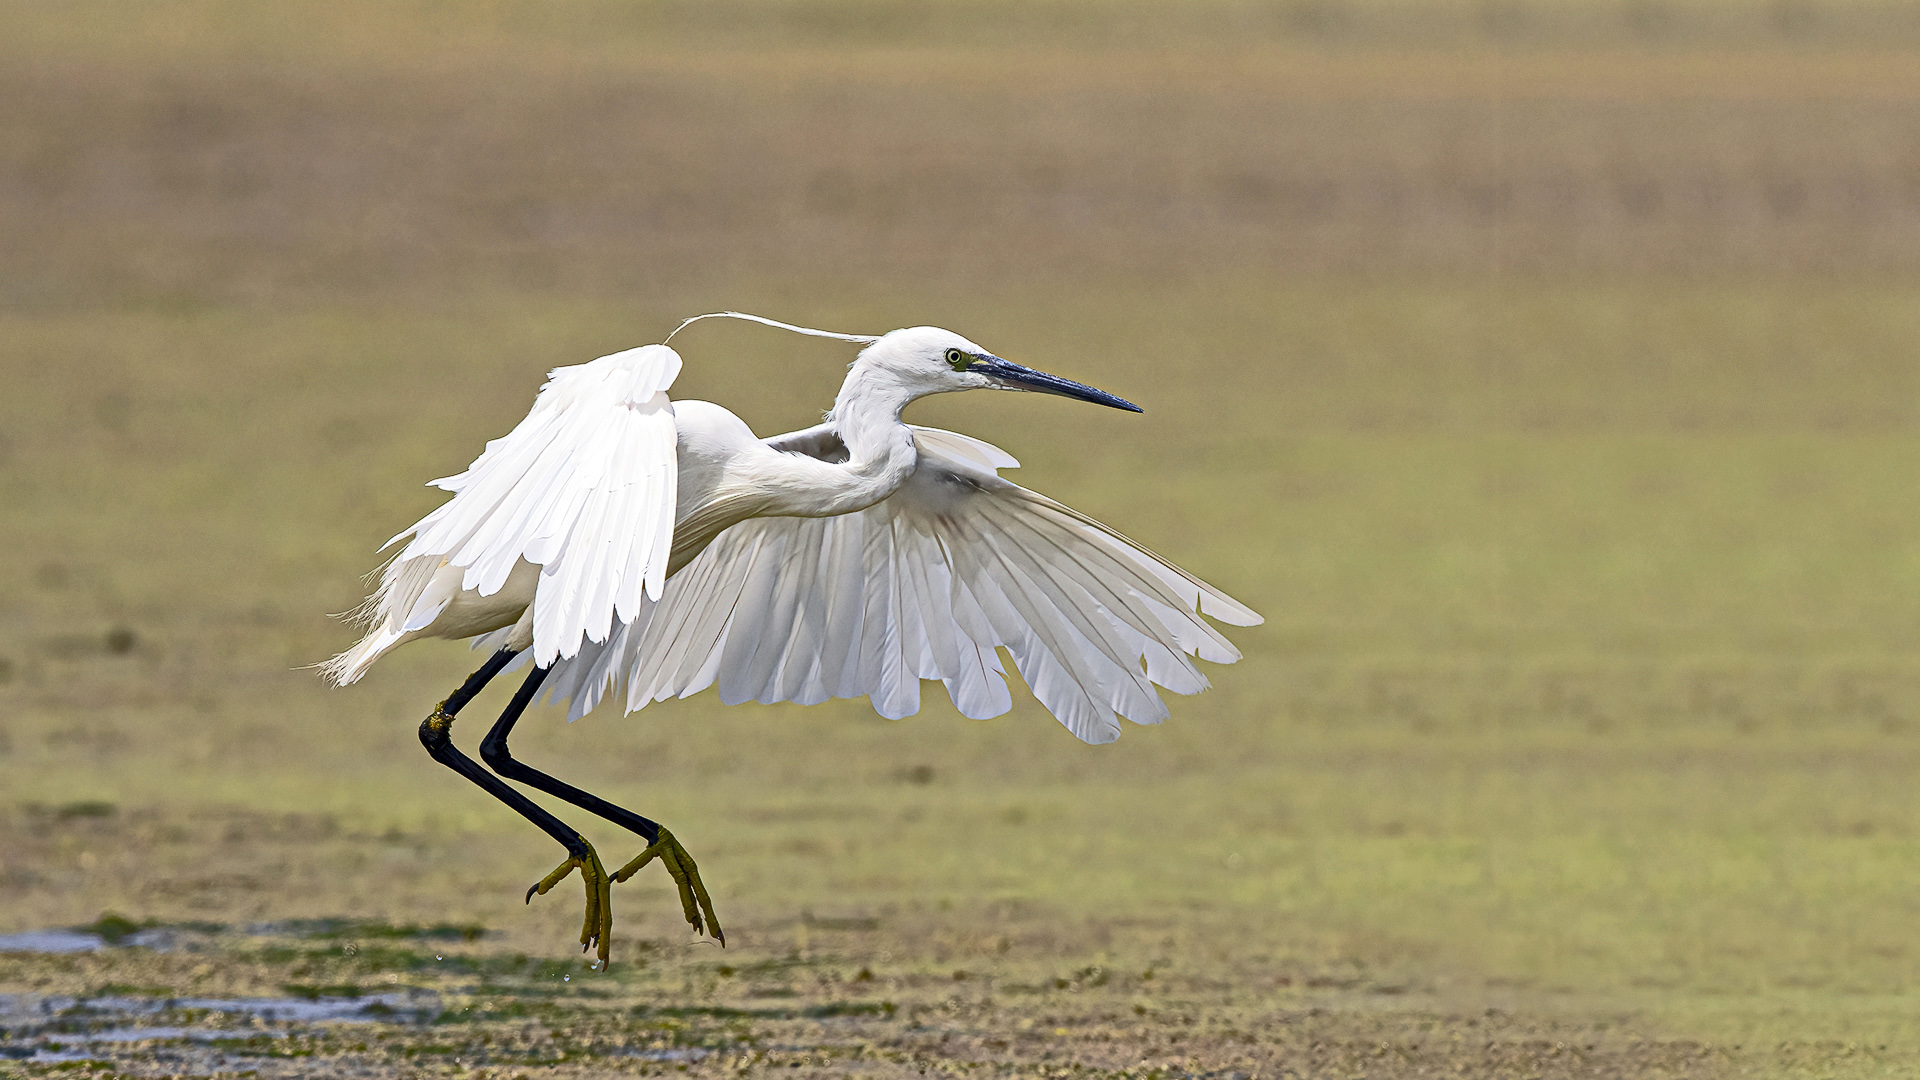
(112, 930)
(349, 997)
(194, 1035)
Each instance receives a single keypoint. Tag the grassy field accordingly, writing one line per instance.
(1542, 372)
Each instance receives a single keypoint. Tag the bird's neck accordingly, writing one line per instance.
(880, 453)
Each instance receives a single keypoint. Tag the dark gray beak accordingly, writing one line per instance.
(1014, 377)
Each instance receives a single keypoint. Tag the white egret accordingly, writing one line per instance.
(651, 548)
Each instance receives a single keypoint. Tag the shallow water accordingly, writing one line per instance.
(55, 1028)
(51, 941)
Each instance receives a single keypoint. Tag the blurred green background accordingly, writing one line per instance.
(1543, 371)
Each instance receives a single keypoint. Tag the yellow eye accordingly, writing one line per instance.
(958, 359)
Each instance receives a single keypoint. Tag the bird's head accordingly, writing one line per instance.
(929, 360)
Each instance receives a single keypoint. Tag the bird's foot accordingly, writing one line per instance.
(597, 927)
(693, 893)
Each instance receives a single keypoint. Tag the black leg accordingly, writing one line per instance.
(477, 681)
(436, 735)
(493, 751)
(660, 843)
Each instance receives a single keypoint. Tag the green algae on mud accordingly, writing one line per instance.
(810, 1009)
(1604, 717)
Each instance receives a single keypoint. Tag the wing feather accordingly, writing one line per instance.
(584, 487)
(800, 676)
(981, 689)
(1057, 658)
(785, 613)
(931, 583)
(846, 604)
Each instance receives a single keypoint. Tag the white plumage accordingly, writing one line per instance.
(650, 549)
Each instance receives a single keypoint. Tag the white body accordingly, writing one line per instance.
(621, 538)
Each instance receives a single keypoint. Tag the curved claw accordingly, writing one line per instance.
(694, 900)
(597, 926)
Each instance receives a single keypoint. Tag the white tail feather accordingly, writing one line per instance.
(347, 667)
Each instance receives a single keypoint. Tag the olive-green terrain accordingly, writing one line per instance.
(1544, 372)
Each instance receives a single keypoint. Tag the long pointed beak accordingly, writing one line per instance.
(1011, 376)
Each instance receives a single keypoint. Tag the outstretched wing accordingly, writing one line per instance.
(927, 584)
(584, 488)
